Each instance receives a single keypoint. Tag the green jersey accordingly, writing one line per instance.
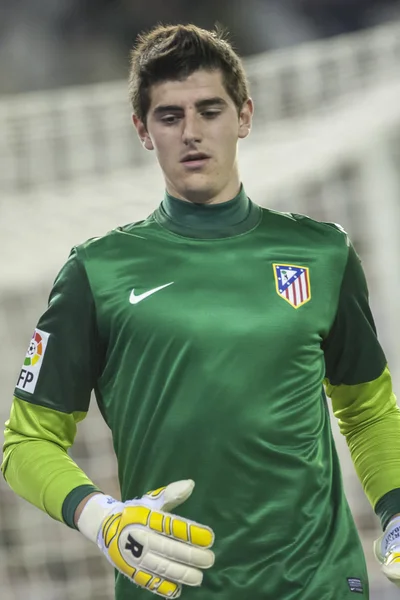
(207, 348)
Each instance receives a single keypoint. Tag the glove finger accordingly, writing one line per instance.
(133, 569)
(182, 529)
(174, 494)
(156, 584)
(378, 549)
(168, 524)
(171, 549)
(391, 567)
(165, 588)
(178, 572)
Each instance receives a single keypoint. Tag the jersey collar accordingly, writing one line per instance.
(227, 219)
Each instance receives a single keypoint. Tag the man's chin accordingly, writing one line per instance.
(198, 194)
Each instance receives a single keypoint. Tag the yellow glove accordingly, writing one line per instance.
(387, 551)
(157, 550)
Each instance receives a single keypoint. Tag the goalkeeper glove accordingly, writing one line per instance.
(387, 551)
(157, 550)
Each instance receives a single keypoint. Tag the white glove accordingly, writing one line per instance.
(387, 551)
(157, 550)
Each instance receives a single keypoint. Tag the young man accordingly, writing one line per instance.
(206, 332)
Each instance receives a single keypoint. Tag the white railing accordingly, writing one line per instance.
(77, 132)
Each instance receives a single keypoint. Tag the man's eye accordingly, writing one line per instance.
(169, 119)
(211, 114)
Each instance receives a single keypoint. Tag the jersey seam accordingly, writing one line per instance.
(202, 240)
(340, 292)
(99, 370)
(43, 405)
(78, 250)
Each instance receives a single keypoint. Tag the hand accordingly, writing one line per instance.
(157, 550)
(387, 551)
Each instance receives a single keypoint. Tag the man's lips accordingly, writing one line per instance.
(194, 160)
(194, 156)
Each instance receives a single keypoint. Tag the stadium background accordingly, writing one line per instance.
(326, 142)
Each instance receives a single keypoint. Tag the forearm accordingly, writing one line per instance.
(375, 451)
(43, 474)
(81, 506)
(36, 464)
(370, 420)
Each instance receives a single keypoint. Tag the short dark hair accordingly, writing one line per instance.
(173, 52)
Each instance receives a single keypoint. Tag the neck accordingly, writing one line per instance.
(208, 220)
(207, 197)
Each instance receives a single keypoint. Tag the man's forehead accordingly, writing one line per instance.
(199, 86)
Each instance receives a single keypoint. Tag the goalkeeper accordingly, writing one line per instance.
(207, 332)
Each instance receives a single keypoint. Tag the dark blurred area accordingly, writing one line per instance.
(51, 43)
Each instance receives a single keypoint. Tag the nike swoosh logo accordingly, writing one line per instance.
(133, 299)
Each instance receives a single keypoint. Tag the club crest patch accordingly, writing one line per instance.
(293, 284)
(33, 361)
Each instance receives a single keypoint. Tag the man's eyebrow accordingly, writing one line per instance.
(215, 101)
(200, 104)
(166, 108)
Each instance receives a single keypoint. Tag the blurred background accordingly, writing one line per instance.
(325, 78)
(46, 43)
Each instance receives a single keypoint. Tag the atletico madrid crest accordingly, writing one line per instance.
(293, 284)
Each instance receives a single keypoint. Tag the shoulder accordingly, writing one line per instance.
(95, 247)
(332, 231)
(308, 229)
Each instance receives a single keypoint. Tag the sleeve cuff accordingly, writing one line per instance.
(388, 506)
(72, 501)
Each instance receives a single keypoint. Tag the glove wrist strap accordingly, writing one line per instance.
(93, 515)
(391, 536)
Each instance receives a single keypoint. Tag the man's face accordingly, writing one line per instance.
(193, 125)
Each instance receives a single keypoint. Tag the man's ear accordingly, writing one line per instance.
(142, 132)
(245, 118)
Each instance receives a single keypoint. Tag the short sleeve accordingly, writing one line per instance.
(353, 354)
(63, 360)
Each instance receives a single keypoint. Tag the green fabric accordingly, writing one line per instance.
(352, 353)
(35, 462)
(72, 500)
(359, 383)
(369, 418)
(388, 506)
(218, 377)
(227, 219)
(67, 384)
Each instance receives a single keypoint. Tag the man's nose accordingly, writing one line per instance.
(192, 129)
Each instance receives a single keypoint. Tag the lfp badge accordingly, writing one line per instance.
(29, 373)
(293, 284)
(35, 350)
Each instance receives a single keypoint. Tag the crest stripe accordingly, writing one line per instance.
(292, 283)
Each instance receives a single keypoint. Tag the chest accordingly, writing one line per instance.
(216, 296)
